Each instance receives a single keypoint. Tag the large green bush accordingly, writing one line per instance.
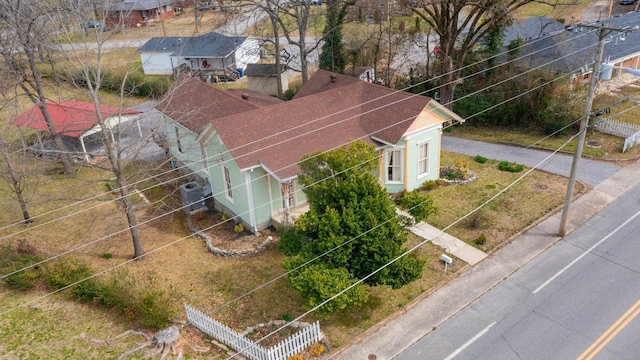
(418, 205)
(73, 274)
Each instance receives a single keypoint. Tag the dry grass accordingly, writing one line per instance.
(521, 205)
(210, 283)
(46, 328)
(565, 12)
(610, 146)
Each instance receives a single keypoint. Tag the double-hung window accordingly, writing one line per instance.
(178, 142)
(394, 165)
(423, 159)
(227, 182)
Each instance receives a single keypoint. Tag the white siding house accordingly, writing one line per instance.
(211, 54)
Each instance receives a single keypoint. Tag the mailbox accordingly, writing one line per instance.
(446, 259)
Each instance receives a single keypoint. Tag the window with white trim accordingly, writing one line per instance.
(178, 142)
(288, 195)
(423, 159)
(227, 182)
(394, 166)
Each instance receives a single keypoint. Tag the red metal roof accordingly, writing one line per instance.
(70, 118)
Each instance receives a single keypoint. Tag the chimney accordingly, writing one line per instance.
(245, 96)
(333, 78)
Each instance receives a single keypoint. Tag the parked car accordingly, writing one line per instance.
(92, 24)
(626, 2)
(207, 5)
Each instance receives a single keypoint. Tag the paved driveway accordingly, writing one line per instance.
(589, 171)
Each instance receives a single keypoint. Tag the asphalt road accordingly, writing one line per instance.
(589, 171)
(580, 298)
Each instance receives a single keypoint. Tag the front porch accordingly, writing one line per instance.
(287, 217)
(209, 75)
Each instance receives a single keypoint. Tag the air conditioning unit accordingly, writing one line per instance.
(192, 196)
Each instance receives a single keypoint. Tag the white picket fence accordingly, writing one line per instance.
(617, 128)
(288, 347)
(630, 132)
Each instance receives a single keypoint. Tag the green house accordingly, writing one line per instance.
(244, 147)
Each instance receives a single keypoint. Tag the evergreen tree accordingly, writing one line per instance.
(333, 57)
(353, 223)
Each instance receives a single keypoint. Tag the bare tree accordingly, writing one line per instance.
(25, 35)
(86, 61)
(460, 25)
(299, 11)
(14, 163)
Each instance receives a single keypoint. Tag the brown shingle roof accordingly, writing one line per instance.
(321, 81)
(278, 136)
(254, 97)
(194, 103)
(322, 116)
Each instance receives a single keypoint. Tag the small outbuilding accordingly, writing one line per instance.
(264, 78)
(76, 119)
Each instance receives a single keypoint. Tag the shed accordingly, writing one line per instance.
(264, 78)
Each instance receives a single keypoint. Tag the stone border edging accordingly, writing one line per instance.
(220, 252)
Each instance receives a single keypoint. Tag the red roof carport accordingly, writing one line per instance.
(76, 119)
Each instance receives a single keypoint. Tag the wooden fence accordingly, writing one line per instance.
(290, 346)
(630, 132)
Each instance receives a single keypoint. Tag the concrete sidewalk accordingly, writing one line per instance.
(449, 243)
(405, 328)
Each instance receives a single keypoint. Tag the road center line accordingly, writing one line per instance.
(611, 332)
(585, 253)
(465, 345)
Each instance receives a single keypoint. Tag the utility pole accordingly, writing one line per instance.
(603, 32)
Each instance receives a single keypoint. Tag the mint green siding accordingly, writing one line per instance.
(261, 199)
(413, 174)
(184, 148)
(431, 137)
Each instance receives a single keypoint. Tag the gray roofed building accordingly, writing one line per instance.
(130, 5)
(208, 45)
(568, 51)
(209, 56)
(211, 44)
(263, 69)
(532, 28)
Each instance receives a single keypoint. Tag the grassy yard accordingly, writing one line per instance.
(52, 327)
(564, 12)
(181, 265)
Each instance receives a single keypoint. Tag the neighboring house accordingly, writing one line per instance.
(530, 29)
(248, 153)
(363, 73)
(76, 119)
(207, 56)
(264, 78)
(572, 52)
(135, 13)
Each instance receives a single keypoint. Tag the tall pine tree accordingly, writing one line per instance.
(333, 57)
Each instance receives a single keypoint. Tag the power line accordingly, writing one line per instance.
(208, 158)
(175, 210)
(360, 281)
(164, 246)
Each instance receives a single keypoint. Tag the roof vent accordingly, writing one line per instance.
(245, 96)
(333, 78)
